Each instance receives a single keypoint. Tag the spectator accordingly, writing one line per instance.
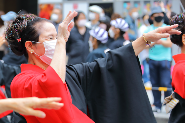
(11, 58)
(115, 16)
(95, 12)
(116, 31)
(56, 16)
(131, 19)
(160, 59)
(99, 38)
(144, 54)
(77, 46)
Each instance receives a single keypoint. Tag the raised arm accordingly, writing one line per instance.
(58, 62)
(153, 36)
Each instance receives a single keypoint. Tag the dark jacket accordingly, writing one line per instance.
(117, 43)
(97, 53)
(77, 47)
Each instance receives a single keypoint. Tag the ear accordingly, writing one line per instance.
(28, 45)
(183, 39)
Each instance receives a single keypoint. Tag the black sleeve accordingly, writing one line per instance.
(7, 73)
(114, 89)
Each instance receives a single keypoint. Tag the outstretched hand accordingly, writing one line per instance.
(26, 106)
(66, 26)
(162, 32)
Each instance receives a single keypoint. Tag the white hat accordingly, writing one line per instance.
(96, 9)
(100, 34)
(120, 23)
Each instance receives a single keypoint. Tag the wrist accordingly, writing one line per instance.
(4, 105)
(145, 39)
(61, 41)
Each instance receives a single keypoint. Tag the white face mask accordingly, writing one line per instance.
(54, 17)
(111, 33)
(102, 15)
(49, 51)
(135, 15)
(92, 16)
(81, 23)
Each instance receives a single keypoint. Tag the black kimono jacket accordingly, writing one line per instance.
(77, 47)
(111, 88)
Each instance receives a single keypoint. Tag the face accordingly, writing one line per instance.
(156, 15)
(81, 17)
(115, 30)
(58, 12)
(47, 33)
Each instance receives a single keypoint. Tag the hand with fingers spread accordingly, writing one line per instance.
(161, 32)
(154, 36)
(26, 106)
(66, 26)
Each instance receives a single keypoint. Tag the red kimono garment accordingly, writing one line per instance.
(178, 75)
(35, 82)
(2, 96)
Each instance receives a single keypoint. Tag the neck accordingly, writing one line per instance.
(81, 27)
(116, 36)
(94, 21)
(158, 24)
(33, 60)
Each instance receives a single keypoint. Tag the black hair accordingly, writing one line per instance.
(76, 18)
(22, 29)
(1, 22)
(180, 20)
(122, 33)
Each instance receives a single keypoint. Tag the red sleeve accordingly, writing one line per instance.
(178, 79)
(2, 96)
(49, 84)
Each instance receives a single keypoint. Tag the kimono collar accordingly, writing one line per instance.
(25, 67)
(179, 57)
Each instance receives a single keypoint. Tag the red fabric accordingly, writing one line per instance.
(2, 87)
(178, 75)
(35, 82)
(2, 96)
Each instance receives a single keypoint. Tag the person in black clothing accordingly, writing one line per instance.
(118, 28)
(110, 87)
(77, 47)
(99, 38)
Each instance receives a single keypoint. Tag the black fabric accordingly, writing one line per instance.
(117, 43)
(13, 59)
(111, 88)
(178, 113)
(77, 46)
(17, 118)
(7, 73)
(4, 120)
